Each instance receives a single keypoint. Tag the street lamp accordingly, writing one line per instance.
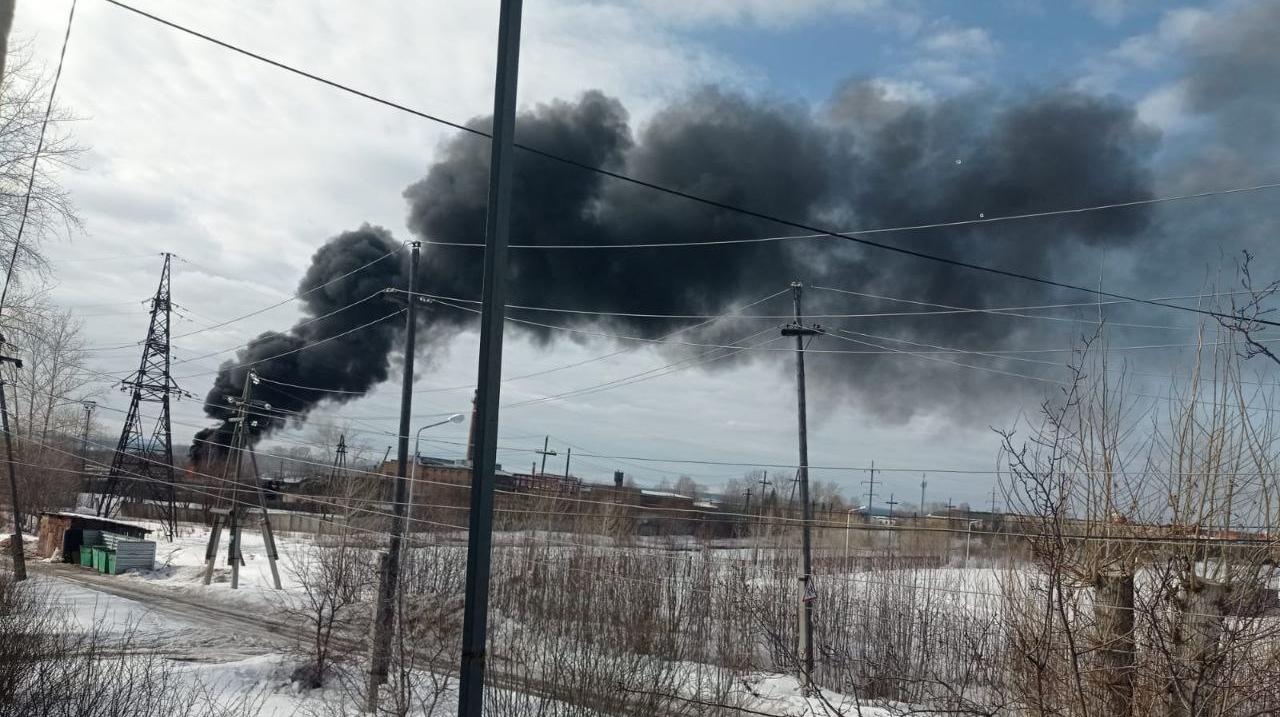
(848, 518)
(413, 473)
(967, 536)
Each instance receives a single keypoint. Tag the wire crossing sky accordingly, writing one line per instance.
(1011, 200)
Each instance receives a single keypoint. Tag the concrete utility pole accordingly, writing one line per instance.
(239, 446)
(268, 537)
(84, 444)
(567, 457)
(544, 453)
(924, 483)
(6, 23)
(15, 540)
(800, 331)
(389, 576)
(233, 526)
(493, 294)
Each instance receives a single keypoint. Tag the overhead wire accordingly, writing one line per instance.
(304, 347)
(278, 304)
(35, 160)
(854, 237)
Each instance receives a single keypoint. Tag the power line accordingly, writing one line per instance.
(278, 304)
(944, 311)
(880, 230)
(296, 326)
(998, 311)
(882, 350)
(854, 237)
(35, 159)
(575, 364)
(304, 347)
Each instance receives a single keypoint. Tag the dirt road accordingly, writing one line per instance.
(195, 629)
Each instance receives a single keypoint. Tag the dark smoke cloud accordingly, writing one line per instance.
(353, 363)
(861, 160)
(1232, 74)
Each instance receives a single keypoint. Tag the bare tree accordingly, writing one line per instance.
(45, 398)
(24, 91)
(332, 583)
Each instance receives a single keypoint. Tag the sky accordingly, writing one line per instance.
(243, 172)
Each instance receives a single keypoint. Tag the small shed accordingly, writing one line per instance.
(62, 534)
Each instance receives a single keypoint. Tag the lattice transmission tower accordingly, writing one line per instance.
(142, 466)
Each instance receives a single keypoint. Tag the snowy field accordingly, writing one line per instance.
(232, 662)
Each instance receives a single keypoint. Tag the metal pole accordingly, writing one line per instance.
(15, 541)
(84, 445)
(475, 615)
(800, 331)
(413, 472)
(848, 519)
(967, 536)
(388, 580)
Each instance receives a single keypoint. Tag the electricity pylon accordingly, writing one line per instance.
(142, 466)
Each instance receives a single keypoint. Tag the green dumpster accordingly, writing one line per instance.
(99, 556)
(86, 555)
(110, 562)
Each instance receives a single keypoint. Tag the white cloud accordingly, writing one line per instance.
(972, 42)
(771, 13)
(1165, 108)
(1144, 52)
(1109, 11)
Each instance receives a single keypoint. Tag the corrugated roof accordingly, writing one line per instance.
(100, 519)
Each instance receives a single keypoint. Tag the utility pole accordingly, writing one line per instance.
(339, 457)
(84, 445)
(871, 489)
(544, 453)
(389, 576)
(15, 540)
(6, 22)
(234, 557)
(891, 502)
(764, 483)
(800, 332)
(475, 616)
(568, 455)
(240, 444)
(924, 483)
(268, 537)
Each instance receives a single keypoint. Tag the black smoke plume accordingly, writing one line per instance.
(861, 160)
(307, 356)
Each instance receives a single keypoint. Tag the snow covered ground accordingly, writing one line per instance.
(231, 661)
